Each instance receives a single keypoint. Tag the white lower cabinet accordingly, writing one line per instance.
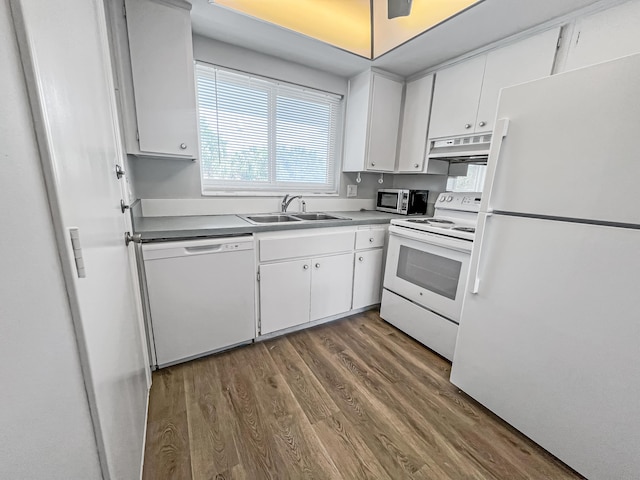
(300, 291)
(308, 275)
(367, 278)
(331, 285)
(285, 294)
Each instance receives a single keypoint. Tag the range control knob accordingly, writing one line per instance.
(442, 197)
(449, 198)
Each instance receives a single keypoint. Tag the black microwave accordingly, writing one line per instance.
(402, 201)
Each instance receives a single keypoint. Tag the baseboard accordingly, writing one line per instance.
(304, 326)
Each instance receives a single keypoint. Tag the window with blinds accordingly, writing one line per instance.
(261, 135)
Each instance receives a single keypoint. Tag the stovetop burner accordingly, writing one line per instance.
(440, 222)
(465, 229)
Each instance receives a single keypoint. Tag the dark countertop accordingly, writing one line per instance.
(176, 228)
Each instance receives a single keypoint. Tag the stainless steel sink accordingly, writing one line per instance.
(271, 218)
(317, 216)
(263, 218)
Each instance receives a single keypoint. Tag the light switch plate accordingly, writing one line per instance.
(352, 190)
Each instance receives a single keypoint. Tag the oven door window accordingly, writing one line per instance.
(435, 273)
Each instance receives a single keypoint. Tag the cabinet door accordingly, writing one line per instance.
(521, 62)
(331, 285)
(162, 67)
(367, 278)
(415, 122)
(356, 123)
(384, 119)
(285, 293)
(455, 98)
(605, 35)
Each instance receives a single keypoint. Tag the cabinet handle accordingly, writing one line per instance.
(183, 146)
(416, 165)
(371, 240)
(317, 265)
(482, 124)
(123, 206)
(467, 125)
(305, 267)
(360, 259)
(373, 164)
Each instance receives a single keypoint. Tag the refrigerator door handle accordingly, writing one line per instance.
(474, 268)
(499, 134)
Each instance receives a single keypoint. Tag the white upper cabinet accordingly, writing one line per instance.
(455, 98)
(520, 62)
(415, 123)
(605, 35)
(372, 120)
(163, 80)
(466, 95)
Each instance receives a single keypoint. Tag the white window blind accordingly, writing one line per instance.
(262, 135)
(472, 182)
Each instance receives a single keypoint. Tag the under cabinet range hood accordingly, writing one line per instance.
(468, 149)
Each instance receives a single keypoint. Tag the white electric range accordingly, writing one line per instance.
(427, 269)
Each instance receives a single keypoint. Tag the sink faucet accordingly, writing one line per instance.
(288, 199)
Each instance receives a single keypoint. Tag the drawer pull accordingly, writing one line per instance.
(361, 259)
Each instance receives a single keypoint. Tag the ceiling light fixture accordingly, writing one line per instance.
(398, 8)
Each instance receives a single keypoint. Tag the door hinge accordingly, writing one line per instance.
(74, 233)
(258, 276)
(259, 326)
(559, 42)
(578, 38)
(138, 135)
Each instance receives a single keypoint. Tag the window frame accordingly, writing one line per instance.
(271, 190)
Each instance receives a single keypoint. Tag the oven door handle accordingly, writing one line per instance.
(476, 254)
(432, 239)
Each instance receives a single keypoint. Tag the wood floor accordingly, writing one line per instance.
(353, 399)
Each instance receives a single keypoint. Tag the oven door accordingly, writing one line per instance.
(428, 269)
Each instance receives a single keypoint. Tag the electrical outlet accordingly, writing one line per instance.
(352, 190)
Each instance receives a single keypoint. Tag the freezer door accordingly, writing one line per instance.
(572, 147)
(550, 341)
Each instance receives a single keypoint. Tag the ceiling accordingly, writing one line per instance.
(485, 23)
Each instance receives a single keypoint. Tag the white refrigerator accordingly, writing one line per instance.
(549, 337)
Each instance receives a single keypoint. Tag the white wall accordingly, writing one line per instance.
(45, 425)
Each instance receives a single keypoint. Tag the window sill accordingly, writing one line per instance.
(250, 193)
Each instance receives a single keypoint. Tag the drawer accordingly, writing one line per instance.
(308, 245)
(370, 238)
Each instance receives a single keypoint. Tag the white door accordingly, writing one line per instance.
(384, 118)
(455, 98)
(331, 285)
(367, 278)
(576, 134)
(285, 295)
(65, 54)
(605, 35)
(523, 61)
(415, 122)
(550, 340)
(163, 77)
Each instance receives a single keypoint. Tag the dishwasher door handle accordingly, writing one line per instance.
(202, 249)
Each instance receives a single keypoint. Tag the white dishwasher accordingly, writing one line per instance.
(201, 296)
